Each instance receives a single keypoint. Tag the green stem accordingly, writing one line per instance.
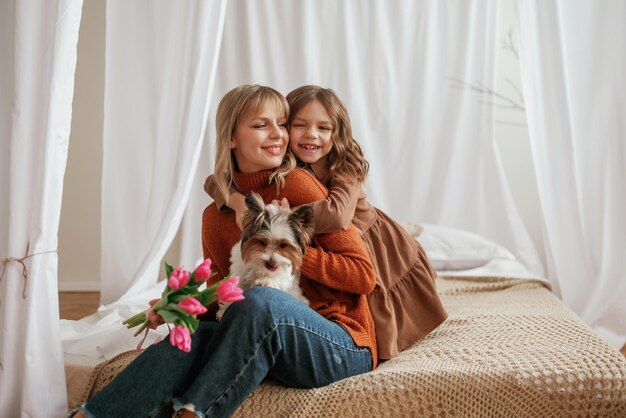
(139, 331)
(135, 320)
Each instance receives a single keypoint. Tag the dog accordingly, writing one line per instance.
(271, 248)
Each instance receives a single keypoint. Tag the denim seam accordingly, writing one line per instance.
(356, 350)
(236, 379)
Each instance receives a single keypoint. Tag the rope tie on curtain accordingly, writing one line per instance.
(21, 260)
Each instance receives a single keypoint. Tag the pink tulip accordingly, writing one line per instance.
(203, 271)
(192, 306)
(227, 291)
(178, 278)
(179, 337)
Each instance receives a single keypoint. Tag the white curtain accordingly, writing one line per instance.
(573, 61)
(38, 48)
(161, 61)
(431, 147)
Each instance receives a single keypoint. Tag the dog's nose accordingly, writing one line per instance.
(270, 264)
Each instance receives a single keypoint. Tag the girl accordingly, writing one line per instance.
(269, 333)
(405, 305)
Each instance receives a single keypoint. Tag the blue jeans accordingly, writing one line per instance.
(268, 334)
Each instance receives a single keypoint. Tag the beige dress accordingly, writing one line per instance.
(405, 305)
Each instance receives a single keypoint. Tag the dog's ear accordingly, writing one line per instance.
(253, 218)
(254, 202)
(302, 217)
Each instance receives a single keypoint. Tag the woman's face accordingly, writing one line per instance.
(311, 133)
(260, 139)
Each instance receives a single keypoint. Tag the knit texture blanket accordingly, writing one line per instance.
(508, 348)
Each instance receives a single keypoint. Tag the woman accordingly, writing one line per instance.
(269, 334)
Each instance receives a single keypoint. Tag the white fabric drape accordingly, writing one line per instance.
(38, 48)
(160, 69)
(573, 61)
(431, 147)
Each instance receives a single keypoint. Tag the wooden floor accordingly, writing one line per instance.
(76, 305)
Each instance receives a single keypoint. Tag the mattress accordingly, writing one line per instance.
(508, 348)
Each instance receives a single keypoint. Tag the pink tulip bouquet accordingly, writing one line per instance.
(182, 301)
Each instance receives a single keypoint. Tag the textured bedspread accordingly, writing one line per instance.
(508, 348)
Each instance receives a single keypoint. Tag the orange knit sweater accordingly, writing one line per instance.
(336, 273)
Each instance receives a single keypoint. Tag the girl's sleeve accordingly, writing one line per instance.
(211, 188)
(337, 210)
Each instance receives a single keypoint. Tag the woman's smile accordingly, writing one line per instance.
(274, 150)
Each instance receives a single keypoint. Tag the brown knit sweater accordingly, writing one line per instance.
(404, 305)
(337, 273)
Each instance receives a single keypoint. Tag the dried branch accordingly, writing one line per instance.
(509, 103)
(509, 44)
(497, 99)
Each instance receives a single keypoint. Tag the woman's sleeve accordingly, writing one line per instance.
(211, 188)
(337, 210)
(340, 261)
(208, 243)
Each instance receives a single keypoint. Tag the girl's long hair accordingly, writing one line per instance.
(346, 162)
(232, 108)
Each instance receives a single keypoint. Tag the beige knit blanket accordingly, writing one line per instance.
(508, 349)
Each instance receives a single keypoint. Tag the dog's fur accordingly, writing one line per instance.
(270, 251)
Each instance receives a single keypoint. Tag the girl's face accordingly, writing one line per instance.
(311, 133)
(260, 139)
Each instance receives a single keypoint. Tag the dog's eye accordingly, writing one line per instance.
(263, 243)
(283, 245)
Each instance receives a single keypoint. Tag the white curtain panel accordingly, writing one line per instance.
(573, 61)
(38, 48)
(431, 146)
(161, 61)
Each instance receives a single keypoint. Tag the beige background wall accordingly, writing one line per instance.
(511, 133)
(79, 232)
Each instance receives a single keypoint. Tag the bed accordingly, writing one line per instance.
(508, 348)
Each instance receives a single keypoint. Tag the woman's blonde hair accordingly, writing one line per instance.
(232, 108)
(346, 161)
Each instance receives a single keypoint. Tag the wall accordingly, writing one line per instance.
(79, 233)
(511, 131)
(79, 230)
